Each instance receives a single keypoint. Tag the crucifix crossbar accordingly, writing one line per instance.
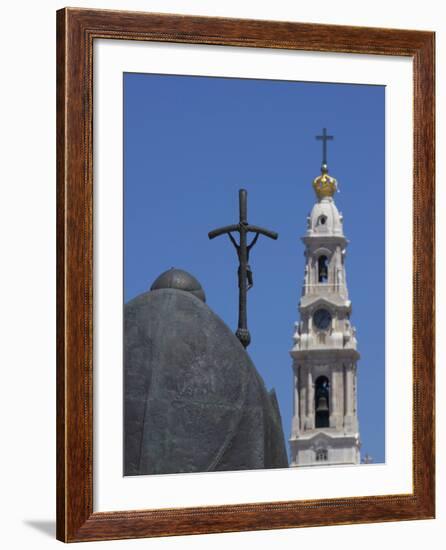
(245, 278)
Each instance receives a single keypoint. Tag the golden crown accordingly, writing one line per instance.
(325, 185)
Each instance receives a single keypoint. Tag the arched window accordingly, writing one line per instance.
(322, 220)
(322, 402)
(322, 264)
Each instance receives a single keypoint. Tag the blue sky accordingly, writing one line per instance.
(190, 143)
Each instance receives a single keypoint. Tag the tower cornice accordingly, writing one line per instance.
(325, 355)
(331, 299)
(312, 240)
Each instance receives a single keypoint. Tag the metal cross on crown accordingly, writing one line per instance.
(324, 138)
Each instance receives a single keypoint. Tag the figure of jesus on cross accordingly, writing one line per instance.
(245, 280)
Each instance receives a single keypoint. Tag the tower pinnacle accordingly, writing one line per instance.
(325, 185)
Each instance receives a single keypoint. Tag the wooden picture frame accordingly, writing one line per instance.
(76, 31)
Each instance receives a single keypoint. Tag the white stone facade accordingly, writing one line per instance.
(325, 423)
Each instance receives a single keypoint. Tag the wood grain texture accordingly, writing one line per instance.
(76, 31)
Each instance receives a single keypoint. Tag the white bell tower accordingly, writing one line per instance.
(325, 423)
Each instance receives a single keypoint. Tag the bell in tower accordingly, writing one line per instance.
(321, 408)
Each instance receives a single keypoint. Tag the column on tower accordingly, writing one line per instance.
(349, 420)
(310, 417)
(296, 404)
(337, 398)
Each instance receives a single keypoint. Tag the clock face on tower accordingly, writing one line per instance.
(322, 318)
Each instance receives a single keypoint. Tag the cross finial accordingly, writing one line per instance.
(324, 137)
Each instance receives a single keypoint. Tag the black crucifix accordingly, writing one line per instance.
(324, 137)
(245, 280)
